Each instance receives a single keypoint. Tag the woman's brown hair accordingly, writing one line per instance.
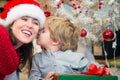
(25, 51)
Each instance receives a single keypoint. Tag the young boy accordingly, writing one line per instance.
(58, 40)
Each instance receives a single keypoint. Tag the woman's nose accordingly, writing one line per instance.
(29, 24)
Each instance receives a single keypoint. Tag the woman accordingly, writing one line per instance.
(23, 19)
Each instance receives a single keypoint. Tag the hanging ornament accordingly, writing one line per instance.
(99, 5)
(59, 3)
(108, 35)
(47, 13)
(83, 33)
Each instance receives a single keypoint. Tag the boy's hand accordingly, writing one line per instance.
(109, 71)
(50, 76)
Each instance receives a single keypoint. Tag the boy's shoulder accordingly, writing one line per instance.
(38, 54)
(75, 53)
(70, 54)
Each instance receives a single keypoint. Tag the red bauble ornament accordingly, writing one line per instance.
(99, 7)
(108, 35)
(47, 13)
(83, 33)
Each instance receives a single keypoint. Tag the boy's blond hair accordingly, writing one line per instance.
(63, 30)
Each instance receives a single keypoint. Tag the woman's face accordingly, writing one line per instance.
(25, 29)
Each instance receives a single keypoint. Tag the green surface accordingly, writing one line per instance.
(85, 77)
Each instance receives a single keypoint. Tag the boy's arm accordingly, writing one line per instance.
(35, 73)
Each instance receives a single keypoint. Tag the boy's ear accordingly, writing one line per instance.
(56, 42)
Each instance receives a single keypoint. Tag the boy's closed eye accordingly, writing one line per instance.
(42, 30)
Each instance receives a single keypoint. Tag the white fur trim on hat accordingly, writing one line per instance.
(25, 10)
(2, 22)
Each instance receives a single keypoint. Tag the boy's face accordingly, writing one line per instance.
(43, 38)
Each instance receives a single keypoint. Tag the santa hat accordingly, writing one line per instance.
(15, 9)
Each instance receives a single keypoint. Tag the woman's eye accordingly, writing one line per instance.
(25, 19)
(36, 22)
